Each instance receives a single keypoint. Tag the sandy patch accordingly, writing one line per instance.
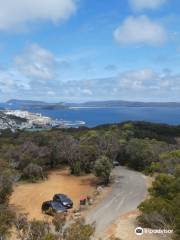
(28, 197)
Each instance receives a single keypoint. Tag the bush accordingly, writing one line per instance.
(157, 213)
(59, 222)
(32, 230)
(79, 231)
(103, 167)
(165, 186)
(169, 161)
(33, 172)
(162, 210)
(141, 153)
(5, 187)
(6, 221)
(76, 168)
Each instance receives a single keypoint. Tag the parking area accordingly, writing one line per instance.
(28, 197)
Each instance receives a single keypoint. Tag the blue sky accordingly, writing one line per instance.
(81, 50)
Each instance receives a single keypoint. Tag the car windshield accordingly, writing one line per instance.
(64, 198)
(56, 205)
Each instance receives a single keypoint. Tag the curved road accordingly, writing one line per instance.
(128, 192)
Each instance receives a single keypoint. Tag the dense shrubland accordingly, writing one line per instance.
(150, 148)
(140, 146)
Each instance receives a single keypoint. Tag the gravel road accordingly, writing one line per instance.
(128, 190)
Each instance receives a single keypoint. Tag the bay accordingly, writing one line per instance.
(98, 116)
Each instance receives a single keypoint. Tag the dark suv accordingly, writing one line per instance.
(51, 208)
(64, 200)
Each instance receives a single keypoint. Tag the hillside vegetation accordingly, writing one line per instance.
(146, 147)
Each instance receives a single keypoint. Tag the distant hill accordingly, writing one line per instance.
(29, 104)
(120, 103)
(48, 106)
(23, 102)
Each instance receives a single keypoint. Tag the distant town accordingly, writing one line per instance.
(19, 119)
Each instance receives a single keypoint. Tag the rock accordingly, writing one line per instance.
(99, 189)
(91, 201)
(77, 215)
(76, 210)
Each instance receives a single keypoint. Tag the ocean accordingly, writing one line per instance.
(98, 116)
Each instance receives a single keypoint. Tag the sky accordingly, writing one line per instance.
(85, 50)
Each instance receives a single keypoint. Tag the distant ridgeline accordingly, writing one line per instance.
(119, 103)
(28, 104)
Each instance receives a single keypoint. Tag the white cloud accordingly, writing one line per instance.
(11, 81)
(143, 79)
(142, 84)
(36, 63)
(137, 79)
(141, 29)
(139, 5)
(87, 91)
(18, 13)
(51, 93)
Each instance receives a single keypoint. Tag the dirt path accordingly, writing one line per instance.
(28, 197)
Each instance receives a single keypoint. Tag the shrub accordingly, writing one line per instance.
(6, 221)
(59, 222)
(103, 168)
(75, 168)
(32, 230)
(162, 209)
(5, 187)
(157, 213)
(165, 186)
(33, 172)
(79, 231)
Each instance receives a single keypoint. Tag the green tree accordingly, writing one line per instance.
(103, 167)
(88, 155)
(169, 161)
(165, 186)
(127, 131)
(140, 154)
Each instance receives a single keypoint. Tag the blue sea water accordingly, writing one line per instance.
(98, 116)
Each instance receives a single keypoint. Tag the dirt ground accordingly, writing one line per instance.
(28, 197)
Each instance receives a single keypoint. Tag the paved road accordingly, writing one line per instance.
(128, 191)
